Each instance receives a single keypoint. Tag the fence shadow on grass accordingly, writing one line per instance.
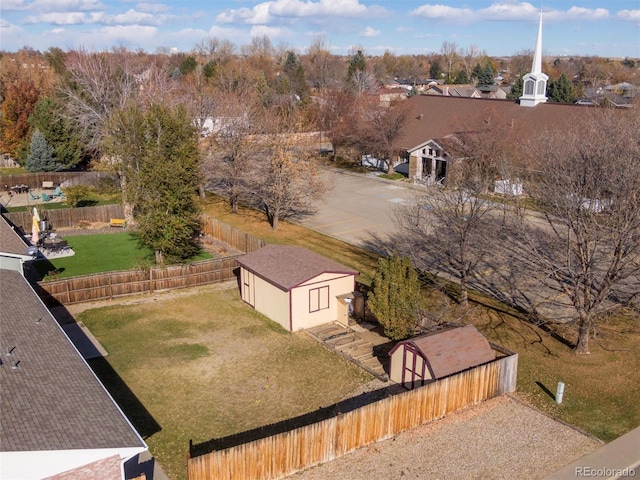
(197, 449)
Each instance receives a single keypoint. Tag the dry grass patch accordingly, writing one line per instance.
(601, 389)
(255, 223)
(207, 366)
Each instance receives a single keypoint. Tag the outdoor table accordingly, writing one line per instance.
(54, 244)
(20, 188)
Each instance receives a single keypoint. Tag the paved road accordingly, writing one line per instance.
(360, 211)
(359, 208)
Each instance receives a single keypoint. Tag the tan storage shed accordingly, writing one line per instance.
(423, 359)
(295, 287)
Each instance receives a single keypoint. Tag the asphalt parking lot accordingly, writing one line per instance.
(359, 208)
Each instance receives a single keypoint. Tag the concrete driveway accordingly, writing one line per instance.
(359, 208)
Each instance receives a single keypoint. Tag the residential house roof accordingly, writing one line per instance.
(11, 242)
(432, 117)
(289, 266)
(51, 400)
(451, 351)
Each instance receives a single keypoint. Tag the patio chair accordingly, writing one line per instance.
(46, 198)
(33, 196)
(57, 193)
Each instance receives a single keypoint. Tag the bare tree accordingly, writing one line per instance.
(379, 129)
(451, 55)
(287, 180)
(589, 245)
(228, 166)
(450, 230)
(335, 114)
(99, 84)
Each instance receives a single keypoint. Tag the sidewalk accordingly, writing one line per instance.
(616, 460)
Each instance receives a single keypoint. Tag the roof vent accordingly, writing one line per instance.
(421, 116)
(16, 365)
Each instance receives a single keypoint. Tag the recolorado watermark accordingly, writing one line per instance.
(605, 472)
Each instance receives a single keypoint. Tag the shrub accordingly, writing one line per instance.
(75, 194)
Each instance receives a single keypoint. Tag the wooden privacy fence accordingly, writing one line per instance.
(280, 455)
(237, 239)
(68, 217)
(107, 286)
(34, 180)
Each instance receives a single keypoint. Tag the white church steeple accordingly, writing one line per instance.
(534, 88)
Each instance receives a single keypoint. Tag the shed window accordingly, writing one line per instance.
(318, 299)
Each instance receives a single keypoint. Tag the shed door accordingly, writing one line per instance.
(414, 368)
(248, 287)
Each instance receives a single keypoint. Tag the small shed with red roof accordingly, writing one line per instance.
(423, 359)
(296, 287)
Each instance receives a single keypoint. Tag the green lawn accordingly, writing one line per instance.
(101, 253)
(205, 366)
(12, 171)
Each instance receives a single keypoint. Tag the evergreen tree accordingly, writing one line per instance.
(394, 296)
(561, 90)
(435, 70)
(210, 69)
(482, 75)
(188, 65)
(58, 131)
(41, 157)
(461, 78)
(160, 165)
(297, 83)
(516, 89)
(357, 63)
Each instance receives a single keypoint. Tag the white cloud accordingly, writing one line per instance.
(7, 28)
(505, 11)
(12, 5)
(152, 7)
(133, 17)
(443, 12)
(629, 16)
(286, 10)
(71, 18)
(509, 11)
(271, 32)
(65, 5)
(370, 32)
(579, 13)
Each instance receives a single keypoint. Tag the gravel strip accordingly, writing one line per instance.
(499, 439)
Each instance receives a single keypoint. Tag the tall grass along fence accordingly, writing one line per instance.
(68, 217)
(283, 454)
(107, 286)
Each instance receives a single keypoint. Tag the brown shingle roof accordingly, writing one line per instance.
(289, 266)
(53, 401)
(10, 241)
(454, 350)
(433, 117)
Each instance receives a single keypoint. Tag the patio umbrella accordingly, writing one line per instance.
(36, 215)
(35, 230)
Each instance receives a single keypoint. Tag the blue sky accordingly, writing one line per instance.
(605, 28)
